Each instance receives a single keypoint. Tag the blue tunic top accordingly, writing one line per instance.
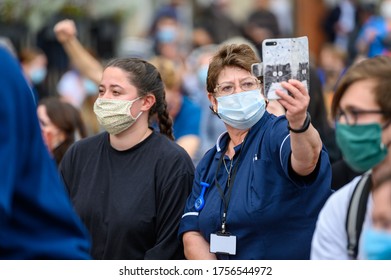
(37, 220)
(271, 210)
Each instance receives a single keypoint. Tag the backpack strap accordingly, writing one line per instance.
(356, 213)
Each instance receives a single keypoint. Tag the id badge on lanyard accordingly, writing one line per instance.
(222, 243)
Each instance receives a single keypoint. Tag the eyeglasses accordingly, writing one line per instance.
(350, 116)
(247, 84)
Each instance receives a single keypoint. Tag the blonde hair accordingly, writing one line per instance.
(166, 68)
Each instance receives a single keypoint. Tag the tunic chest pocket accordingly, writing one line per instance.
(269, 186)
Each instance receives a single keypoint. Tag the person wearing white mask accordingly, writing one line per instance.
(375, 35)
(257, 193)
(129, 184)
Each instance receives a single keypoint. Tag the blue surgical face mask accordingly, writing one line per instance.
(241, 110)
(166, 34)
(377, 244)
(90, 87)
(37, 75)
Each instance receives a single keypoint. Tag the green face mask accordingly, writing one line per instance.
(361, 145)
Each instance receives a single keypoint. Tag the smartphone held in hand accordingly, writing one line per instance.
(284, 59)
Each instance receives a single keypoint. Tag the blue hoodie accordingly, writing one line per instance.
(37, 220)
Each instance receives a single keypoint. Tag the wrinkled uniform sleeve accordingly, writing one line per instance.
(37, 220)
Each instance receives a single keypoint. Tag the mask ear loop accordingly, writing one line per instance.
(130, 113)
(387, 124)
(214, 112)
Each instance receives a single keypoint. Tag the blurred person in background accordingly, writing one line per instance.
(211, 127)
(332, 65)
(377, 238)
(81, 92)
(375, 34)
(73, 87)
(168, 38)
(365, 10)
(261, 24)
(37, 220)
(34, 65)
(340, 22)
(185, 114)
(88, 71)
(82, 60)
(215, 22)
(178, 22)
(61, 125)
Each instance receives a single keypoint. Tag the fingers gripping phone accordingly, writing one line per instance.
(283, 59)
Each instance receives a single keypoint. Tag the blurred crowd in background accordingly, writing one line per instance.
(183, 35)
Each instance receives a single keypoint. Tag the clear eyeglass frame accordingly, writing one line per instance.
(247, 84)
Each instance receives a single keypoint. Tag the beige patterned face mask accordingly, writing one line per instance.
(114, 114)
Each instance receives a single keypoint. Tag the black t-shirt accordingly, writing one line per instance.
(130, 201)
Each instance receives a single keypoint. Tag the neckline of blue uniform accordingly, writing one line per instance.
(222, 140)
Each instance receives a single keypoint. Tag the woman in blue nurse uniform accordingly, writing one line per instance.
(257, 193)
